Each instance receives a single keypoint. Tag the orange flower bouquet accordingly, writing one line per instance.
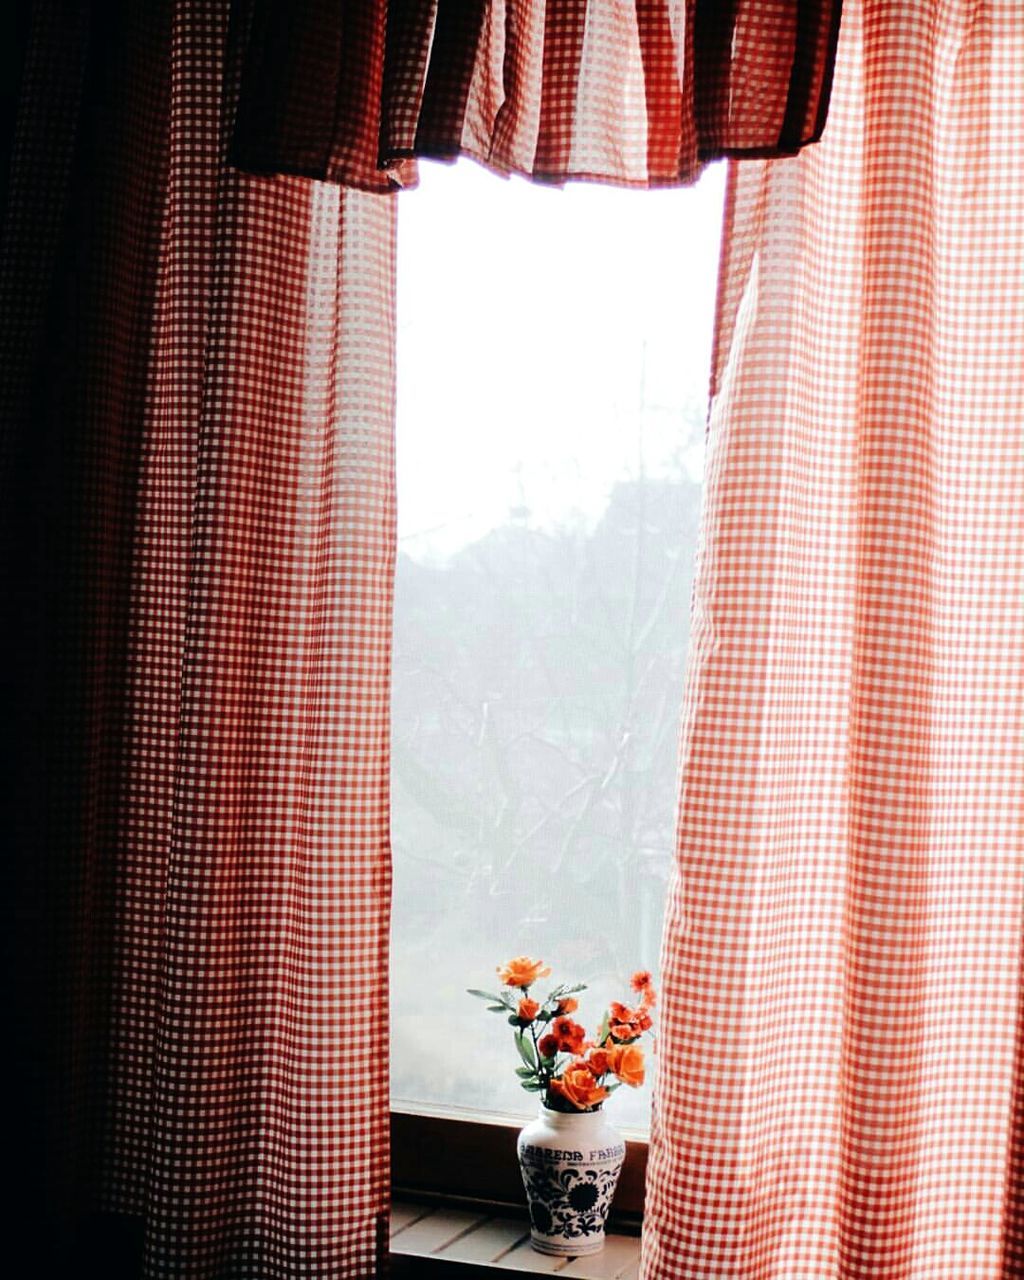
(573, 1073)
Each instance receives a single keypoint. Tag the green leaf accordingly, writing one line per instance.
(533, 1086)
(526, 1051)
(485, 995)
(602, 1034)
(497, 1008)
(525, 1073)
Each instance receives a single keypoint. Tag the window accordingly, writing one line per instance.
(553, 358)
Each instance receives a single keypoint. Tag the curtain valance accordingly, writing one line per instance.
(641, 93)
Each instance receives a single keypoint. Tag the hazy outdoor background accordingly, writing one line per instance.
(553, 355)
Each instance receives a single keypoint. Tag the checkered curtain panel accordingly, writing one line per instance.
(840, 1079)
(198, 510)
(642, 92)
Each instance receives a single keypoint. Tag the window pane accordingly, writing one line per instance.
(553, 358)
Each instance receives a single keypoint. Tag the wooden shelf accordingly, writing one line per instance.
(441, 1241)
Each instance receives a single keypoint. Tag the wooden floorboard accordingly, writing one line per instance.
(434, 1231)
(618, 1254)
(431, 1243)
(403, 1215)
(488, 1242)
(525, 1258)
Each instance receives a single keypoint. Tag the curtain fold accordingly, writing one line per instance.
(839, 1091)
(198, 515)
(642, 93)
(199, 541)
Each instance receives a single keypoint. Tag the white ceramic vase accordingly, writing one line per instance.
(570, 1164)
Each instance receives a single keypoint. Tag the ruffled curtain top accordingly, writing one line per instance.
(639, 92)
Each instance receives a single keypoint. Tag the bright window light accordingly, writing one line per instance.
(553, 359)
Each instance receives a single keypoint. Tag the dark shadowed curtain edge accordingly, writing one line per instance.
(198, 548)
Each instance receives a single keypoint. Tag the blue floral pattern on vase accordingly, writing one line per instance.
(571, 1203)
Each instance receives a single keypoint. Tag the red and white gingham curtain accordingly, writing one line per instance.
(840, 1087)
(200, 512)
(199, 492)
(644, 92)
(197, 514)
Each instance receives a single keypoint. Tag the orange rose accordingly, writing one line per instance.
(527, 1010)
(578, 1087)
(523, 972)
(626, 1061)
(570, 1035)
(568, 1005)
(548, 1046)
(599, 1061)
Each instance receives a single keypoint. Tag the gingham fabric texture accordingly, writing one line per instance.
(199, 508)
(642, 92)
(840, 1085)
